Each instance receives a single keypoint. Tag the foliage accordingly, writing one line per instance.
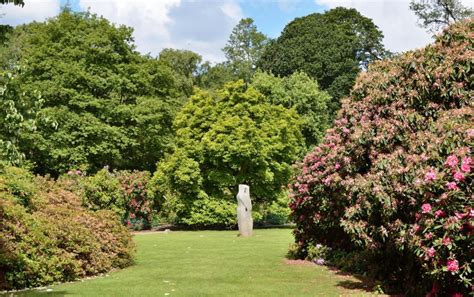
(123, 192)
(225, 139)
(103, 191)
(112, 105)
(139, 205)
(211, 213)
(185, 64)
(331, 47)
(301, 92)
(18, 115)
(435, 14)
(244, 48)
(54, 238)
(214, 77)
(394, 176)
(276, 212)
(15, 2)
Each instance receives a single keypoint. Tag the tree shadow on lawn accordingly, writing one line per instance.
(31, 293)
(358, 282)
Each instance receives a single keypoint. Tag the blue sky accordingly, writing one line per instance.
(204, 25)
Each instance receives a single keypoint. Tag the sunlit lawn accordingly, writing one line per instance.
(212, 263)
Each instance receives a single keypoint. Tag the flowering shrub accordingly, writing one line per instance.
(393, 177)
(139, 205)
(124, 192)
(38, 248)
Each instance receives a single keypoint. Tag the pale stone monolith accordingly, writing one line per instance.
(244, 211)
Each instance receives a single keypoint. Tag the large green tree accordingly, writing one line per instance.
(112, 105)
(435, 14)
(244, 48)
(332, 47)
(18, 115)
(301, 92)
(223, 139)
(185, 64)
(214, 77)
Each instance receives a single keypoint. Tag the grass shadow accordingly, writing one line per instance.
(360, 283)
(33, 293)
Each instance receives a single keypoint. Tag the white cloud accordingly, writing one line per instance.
(200, 26)
(394, 17)
(34, 10)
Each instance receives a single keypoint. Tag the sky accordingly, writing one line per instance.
(204, 26)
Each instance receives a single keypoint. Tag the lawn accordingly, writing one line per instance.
(213, 263)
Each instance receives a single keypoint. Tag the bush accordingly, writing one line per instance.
(275, 213)
(211, 213)
(123, 192)
(104, 191)
(393, 178)
(139, 205)
(38, 248)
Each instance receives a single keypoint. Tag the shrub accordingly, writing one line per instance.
(275, 213)
(38, 248)
(393, 178)
(211, 213)
(123, 192)
(139, 205)
(103, 191)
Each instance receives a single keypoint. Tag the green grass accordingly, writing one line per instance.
(212, 263)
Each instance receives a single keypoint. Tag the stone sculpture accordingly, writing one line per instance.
(244, 211)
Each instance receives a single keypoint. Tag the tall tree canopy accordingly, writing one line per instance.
(244, 48)
(185, 65)
(18, 115)
(112, 105)
(232, 137)
(331, 47)
(435, 14)
(301, 92)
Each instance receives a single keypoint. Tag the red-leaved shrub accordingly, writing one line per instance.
(53, 238)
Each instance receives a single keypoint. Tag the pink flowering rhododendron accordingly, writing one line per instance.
(446, 241)
(430, 252)
(451, 161)
(452, 186)
(470, 133)
(452, 265)
(426, 208)
(458, 176)
(430, 175)
(439, 213)
(466, 165)
(405, 180)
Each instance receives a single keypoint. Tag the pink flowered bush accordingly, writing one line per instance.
(394, 176)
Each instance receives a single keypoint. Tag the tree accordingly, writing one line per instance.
(331, 47)
(232, 137)
(435, 14)
(214, 77)
(99, 91)
(185, 64)
(301, 92)
(18, 115)
(244, 48)
(15, 2)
